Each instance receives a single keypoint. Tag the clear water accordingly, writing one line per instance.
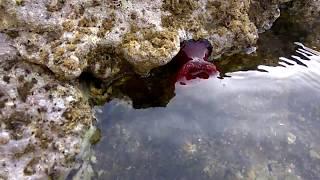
(254, 121)
(250, 125)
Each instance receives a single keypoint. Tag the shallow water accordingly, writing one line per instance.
(243, 124)
(258, 124)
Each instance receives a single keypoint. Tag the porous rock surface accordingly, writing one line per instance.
(306, 15)
(68, 36)
(42, 121)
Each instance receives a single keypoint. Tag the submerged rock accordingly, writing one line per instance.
(304, 15)
(265, 12)
(65, 35)
(43, 120)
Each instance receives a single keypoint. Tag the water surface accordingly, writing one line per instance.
(258, 124)
(250, 122)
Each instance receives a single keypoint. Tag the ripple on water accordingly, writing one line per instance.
(250, 125)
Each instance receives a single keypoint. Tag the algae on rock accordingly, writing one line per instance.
(42, 120)
(61, 34)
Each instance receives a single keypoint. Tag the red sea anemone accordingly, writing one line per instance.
(193, 60)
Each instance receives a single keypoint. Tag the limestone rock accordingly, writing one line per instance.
(305, 16)
(7, 52)
(148, 49)
(42, 123)
(264, 13)
(62, 35)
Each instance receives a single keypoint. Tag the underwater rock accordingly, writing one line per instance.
(43, 120)
(265, 12)
(304, 17)
(42, 123)
(65, 35)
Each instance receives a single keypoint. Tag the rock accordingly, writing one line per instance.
(314, 154)
(291, 138)
(148, 49)
(225, 24)
(305, 16)
(7, 52)
(105, 62)
(264, 13)
(274, 170)
(65, 35)
(42, 123)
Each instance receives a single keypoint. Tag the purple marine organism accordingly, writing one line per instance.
(192, 61)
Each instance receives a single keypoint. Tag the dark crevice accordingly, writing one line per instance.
(158, 88)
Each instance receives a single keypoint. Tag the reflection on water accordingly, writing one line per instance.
(252, 125)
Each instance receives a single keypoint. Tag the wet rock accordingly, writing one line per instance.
(265, 12)
(291, 138)
(305, 15)
(274, 170)
(314, 154)
(62, 35)
(42, 123)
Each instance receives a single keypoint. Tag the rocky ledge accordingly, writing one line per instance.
(67, 36)
(46, 43)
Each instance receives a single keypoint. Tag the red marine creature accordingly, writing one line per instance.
(193, 60)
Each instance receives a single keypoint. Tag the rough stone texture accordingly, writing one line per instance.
(42, 121)
(148, 49)
(264, 13)
(306, 17)
(7, 52)
(63, 35)
(308, 10)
